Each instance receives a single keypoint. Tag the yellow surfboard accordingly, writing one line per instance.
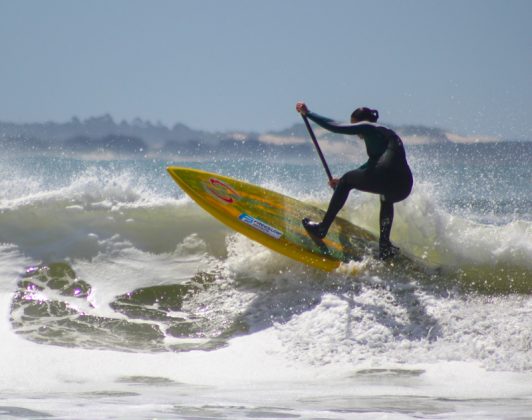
(273, 219)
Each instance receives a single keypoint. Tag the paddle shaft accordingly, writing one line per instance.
(313, 137)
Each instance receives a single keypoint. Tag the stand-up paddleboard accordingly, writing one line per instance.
(273, 219)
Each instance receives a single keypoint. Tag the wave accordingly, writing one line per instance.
(99, 211)
(115, 257)
(491, 257)
(110, 261)
(200, 303)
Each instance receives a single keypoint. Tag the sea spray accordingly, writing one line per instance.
(117, 290)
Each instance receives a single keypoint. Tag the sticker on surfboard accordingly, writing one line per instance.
(221, 191)
(259, 225)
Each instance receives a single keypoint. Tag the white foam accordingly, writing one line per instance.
(428, 231)
(92, 188)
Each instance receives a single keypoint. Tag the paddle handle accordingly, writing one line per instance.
(318, 149)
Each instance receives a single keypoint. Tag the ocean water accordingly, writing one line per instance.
(121, 298)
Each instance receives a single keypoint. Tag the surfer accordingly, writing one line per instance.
(385, 173)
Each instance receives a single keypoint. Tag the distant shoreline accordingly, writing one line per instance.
(101, 136)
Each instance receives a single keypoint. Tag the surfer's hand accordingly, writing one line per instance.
(333, 183)
(301, 107)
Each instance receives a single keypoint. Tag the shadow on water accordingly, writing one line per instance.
(419, 325)
(288, 295)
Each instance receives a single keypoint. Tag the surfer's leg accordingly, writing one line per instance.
(354, 179)
(338, 199)
(386, 249)
(386, 220)
(359, 179)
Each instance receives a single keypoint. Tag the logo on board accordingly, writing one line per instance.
(260, 225)
(220, 190)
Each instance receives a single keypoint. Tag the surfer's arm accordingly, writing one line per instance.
(339, 127)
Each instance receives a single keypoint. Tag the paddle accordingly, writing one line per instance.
(313, 137)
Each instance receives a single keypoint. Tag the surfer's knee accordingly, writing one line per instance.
(347, 181)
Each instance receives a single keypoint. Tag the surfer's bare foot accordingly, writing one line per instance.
(314, 228)
(387, 250)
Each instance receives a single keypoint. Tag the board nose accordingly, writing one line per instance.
(176, 171)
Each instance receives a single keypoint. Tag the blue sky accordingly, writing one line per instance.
(462, 65)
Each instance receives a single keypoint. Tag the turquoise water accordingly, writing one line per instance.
(120, 297)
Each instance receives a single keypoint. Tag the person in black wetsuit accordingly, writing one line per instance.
(386, 172)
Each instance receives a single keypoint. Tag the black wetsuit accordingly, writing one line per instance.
(386, 172)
